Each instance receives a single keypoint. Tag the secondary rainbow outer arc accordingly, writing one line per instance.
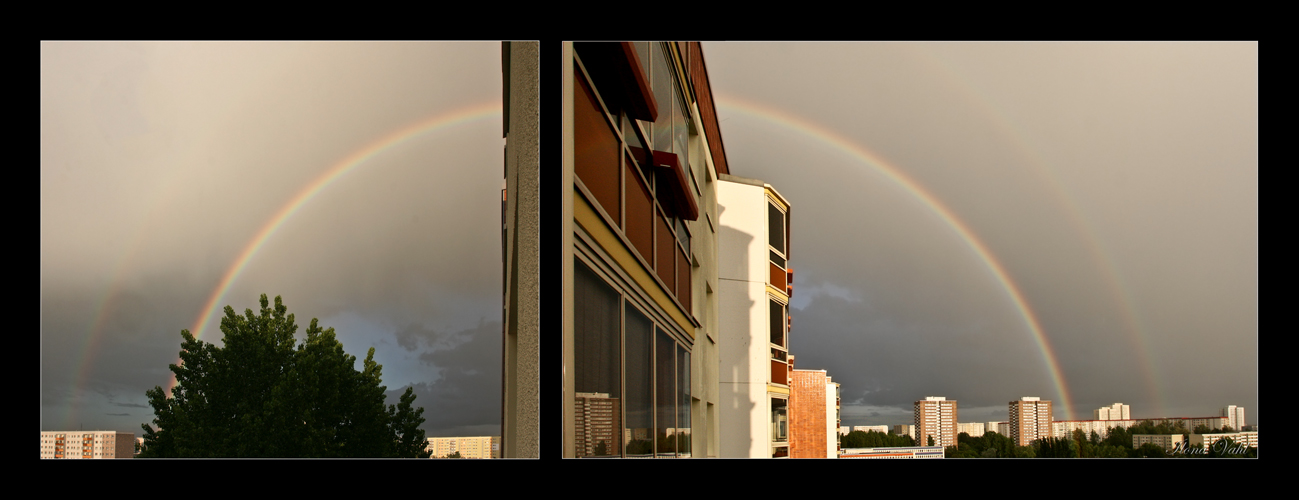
(106, 301)
(914, 188)
(351, 161)
(1103, 259)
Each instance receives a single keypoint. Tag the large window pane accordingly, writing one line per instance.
(664, 88)
(779, 420)
(776, 228)
(640, 384)
(683, 401)
(596, 364)
(777, 323)
(665, 399)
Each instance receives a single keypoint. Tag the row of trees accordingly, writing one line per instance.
(259, 396)
(873, 439)
(1080, 445)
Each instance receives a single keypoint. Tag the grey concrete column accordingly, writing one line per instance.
(521, 405)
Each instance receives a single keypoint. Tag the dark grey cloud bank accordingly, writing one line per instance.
(1117, 183)
(160, 162)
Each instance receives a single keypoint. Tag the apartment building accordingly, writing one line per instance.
(936, 418)
(1235, 416)
(813, 415)
(467, 447)
(1030, 419)
(1247, 439)
(908, 452)
(973, 429)
(754, 289)
(1066, 428)
(1167, 441)
(641, 161)
(1116, 411)
(87, 444)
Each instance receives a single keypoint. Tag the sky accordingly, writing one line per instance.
(989, 221)
(359, 181)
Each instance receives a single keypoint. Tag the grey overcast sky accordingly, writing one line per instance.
(985, 221)
(163, 163)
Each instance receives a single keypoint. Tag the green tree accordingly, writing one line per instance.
(259, 396)
(455, 455)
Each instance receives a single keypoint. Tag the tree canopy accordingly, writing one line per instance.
(258, 396)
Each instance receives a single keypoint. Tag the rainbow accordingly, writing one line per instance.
(1101, 258)
(458, 117)
(895, 174)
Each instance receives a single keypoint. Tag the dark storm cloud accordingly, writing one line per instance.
(467, 391)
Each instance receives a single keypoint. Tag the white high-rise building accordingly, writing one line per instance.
(1116, 411)
(1235, 416)
(974, 429)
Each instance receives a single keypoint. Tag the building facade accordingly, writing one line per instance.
(521, 251)
(813, 415)
(87, 444)
(754, 290)
(1235, 416)
(895, 452)
(936, 418)
(1247, 439)
(642, 156)
(1116, 411)
(974, 429)
(1030, 419)
(1166, 441)
(467, 447)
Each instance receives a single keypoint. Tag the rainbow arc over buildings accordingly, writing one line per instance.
(915, 189)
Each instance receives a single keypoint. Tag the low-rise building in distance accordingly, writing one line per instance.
(87, 444)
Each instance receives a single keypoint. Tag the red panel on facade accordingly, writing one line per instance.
(617, 68)
(666, 246)
(779, 372)
(640, 214)
(595, 149)
(777, 276)
(673, 188)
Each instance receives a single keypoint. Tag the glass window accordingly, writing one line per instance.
(640, 384)
(776, 228)
(665, 383)
(596, 364)
(779, 420)
(683, 401)
(777, 323)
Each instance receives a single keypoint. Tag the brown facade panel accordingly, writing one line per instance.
(667, 244)
(640, 214)
(779, 372)
(777, 276)
(595, 149)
